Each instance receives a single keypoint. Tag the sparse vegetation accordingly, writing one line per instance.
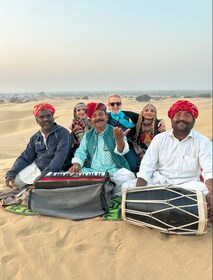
(144, 97)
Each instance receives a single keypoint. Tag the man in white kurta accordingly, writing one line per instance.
(170, 161)
(178, 156)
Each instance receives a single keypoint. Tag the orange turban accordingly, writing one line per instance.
(41, 107)
(92, 107)
(183, 105)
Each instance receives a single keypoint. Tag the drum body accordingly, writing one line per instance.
(169, 209)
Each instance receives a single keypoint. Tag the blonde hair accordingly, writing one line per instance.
(113, 95)
(140, 119)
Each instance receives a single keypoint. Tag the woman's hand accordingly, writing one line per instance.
(161, 126)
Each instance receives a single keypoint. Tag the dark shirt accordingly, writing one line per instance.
(54, 156)
(128, 115)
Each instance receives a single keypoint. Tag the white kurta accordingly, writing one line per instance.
(170, 161)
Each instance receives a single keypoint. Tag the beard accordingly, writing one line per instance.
(182, 126)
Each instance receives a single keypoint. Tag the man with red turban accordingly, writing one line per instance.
(47, 151)
(103, 147)
(183, 105)
(42, 107)
(92, 107)
(177, 156)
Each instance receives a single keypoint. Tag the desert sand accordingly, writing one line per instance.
(40, 247)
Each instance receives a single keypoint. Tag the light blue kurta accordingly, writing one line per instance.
(102, 160)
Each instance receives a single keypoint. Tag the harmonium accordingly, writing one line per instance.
(54, 180)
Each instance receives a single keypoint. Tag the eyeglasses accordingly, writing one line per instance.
(115, 103)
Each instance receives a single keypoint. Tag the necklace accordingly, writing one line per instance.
(147, 131)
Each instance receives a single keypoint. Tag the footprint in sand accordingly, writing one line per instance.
(6, 258)
(2, 223)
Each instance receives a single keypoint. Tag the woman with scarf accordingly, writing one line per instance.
(124, 120)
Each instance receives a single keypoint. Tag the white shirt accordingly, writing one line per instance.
(169, 160)
(31, 172)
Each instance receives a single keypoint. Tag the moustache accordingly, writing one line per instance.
(182, 122)
(99, 120)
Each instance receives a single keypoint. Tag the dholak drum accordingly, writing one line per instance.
(169, 209)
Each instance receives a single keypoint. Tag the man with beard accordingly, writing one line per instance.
(103, 147)
(48, 150)
(178, 155)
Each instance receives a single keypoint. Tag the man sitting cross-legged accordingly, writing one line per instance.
(48, 150)
(104, 148)
(177, 156)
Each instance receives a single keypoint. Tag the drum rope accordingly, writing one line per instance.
(169, 231)
(165, 203)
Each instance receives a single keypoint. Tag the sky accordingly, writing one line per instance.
(72, 45)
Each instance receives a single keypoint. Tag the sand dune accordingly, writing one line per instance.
(39, 247)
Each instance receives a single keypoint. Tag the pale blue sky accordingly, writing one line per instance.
(65, 45)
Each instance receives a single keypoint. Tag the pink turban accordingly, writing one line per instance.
(41, 107)
(92, 107)
(183, 105)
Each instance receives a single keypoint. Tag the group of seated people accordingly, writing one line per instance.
(135, 149)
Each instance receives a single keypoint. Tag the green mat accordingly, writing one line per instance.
(19, 209)
(114, 213)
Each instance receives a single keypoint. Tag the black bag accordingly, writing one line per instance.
(86, 200)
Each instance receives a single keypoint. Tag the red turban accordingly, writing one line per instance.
(183, 105)
(41, 107)
(92, 107)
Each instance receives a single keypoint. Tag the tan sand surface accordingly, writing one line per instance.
(39, 247)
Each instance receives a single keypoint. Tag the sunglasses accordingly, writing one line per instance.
(115, 103)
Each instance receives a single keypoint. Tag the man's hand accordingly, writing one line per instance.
(209, 208)
(119, 137)
(76, 168)
(209, 199)
(119, 134)
(9, 181)
(141, 182)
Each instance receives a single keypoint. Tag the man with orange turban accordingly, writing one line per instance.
(103, 147)
(177, 156)
(48, 150)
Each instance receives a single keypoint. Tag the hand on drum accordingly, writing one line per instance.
(209, 199)
(210, 207)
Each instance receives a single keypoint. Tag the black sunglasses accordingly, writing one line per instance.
(113, 104)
